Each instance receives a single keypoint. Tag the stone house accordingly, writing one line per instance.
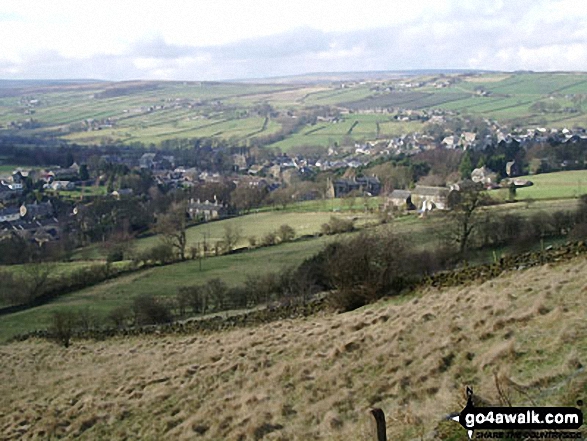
(484, 176)
(401, 199)
(427, 198)
(205, 210)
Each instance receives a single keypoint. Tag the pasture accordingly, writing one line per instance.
(350, 129)
(256, 225)
(164, 281)
(152, 112)
(6, 169)
(558, 185)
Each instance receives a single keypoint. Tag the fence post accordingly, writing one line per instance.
(378, 424)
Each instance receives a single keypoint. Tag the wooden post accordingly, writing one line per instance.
(378, 424)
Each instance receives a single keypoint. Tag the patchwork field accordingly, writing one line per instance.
(152, 112)
(314, 378)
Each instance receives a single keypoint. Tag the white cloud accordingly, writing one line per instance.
(219, 39)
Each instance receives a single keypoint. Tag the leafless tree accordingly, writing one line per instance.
(172, 226)
(232, 235)
(464, 215)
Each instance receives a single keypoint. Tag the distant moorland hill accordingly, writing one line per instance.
(314, 110)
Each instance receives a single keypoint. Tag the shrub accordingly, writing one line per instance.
(119, 316)
(366, 267)
(238, 297)
(11, 292)
(337, 225)
(252, 241)
(149, 310)
(161, 253)
(296, 285)
(62, 326)
(269, 239)
(286, 233)
(193, 296)
(262, 288)
(562, 222)
(85, 319)
(115, 255)
(579, 232)
(217, 290)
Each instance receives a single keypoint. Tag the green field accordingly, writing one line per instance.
(163, 282)
(558, 185)
(152, 112)
(351, 127)
(6, 169)
(257, 225)
(234, 268)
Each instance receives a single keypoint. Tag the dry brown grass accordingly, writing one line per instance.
(312, 378)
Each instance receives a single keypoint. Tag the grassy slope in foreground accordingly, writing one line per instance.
(314, 378)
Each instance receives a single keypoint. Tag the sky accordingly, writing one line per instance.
(237, 39)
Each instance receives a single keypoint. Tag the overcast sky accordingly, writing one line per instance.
(228, 39)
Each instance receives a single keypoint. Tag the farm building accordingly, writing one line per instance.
(401, 199)
(428, 198)
(423, 198)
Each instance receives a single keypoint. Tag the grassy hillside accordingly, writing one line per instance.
(257, 225)
(315, 378)
(151, 112)
(558, 185)
(164, 281)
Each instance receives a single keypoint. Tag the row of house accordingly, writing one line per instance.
(366, 185)
(31, 221)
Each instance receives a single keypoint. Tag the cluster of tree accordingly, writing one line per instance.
(15, 249)
(40, 282)
(400, 171)
(367, 266)
(495, 157)
(45, 151)
(522, 231)
(470, 226)
(291, 285)
(107, 218)
(284, 233)
(337, 225)
(555, 155)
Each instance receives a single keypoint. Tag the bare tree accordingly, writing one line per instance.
(465, 209)
(232, 235)
(246, 198)
(36, 278)
(282, 196)
(172, 226)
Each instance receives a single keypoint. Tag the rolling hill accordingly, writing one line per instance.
(151, 112)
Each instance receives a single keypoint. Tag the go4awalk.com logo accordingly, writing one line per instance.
(522, 422)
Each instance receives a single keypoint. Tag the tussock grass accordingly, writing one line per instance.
(314, 378)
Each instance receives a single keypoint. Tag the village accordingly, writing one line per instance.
(28, 195)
